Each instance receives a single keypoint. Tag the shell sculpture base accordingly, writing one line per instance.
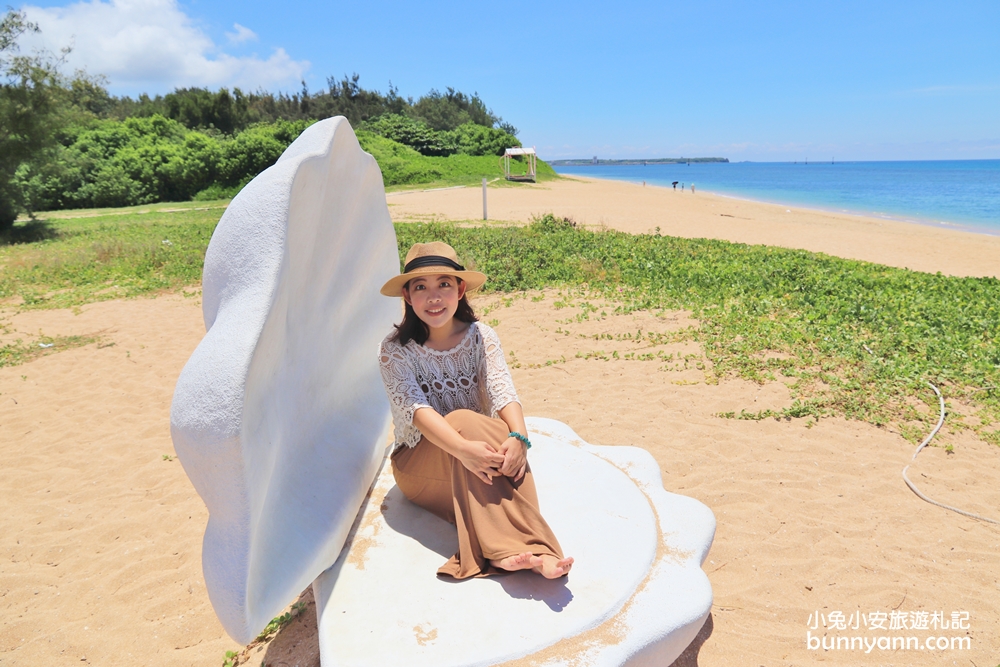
(636, 595)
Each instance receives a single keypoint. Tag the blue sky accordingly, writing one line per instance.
(747, 81)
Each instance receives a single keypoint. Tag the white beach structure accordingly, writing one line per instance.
(532, 158)
(281, 422)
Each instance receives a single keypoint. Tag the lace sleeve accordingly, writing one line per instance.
(404, 393)
(499, 385)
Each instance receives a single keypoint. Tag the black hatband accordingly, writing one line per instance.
(432, 260)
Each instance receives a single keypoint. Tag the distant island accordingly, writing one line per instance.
(660, 160)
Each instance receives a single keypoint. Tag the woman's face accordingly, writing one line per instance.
(434, 298)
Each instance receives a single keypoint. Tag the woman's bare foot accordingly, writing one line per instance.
(525, 561)
(552, 567)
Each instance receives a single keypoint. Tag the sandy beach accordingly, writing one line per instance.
(102, 529)
(632, 208)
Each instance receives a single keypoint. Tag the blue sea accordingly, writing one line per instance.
(954, 193)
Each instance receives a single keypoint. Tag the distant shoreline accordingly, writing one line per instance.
(820, 208)
(660, 160)
(955, 194)
(629, 207)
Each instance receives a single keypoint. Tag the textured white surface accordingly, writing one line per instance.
(636, 595)
(279, 417)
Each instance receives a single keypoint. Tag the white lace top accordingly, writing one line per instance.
(472, 375)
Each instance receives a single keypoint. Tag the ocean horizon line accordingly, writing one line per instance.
(584, 162)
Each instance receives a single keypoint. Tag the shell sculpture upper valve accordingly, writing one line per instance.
(281, 422)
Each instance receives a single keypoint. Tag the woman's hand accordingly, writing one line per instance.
(515, 458)
(515, 452)
(481, 459)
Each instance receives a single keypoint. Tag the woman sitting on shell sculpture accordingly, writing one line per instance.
(461, 443)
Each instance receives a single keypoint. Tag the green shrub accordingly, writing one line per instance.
(215, 192)
(255, 149)
(469, 138)
(151, 159)
(473, 139)
(413, 133)
(121, 163)
(142, 160)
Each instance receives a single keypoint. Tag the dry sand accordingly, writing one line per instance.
(640, 210)
(102, 536)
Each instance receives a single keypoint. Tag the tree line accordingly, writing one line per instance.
(66, 142)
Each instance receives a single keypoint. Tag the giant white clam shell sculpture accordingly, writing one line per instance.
(280, 420)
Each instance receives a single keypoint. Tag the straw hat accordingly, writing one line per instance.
(432, 259)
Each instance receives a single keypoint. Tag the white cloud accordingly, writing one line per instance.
(241, 34)
(153, 46)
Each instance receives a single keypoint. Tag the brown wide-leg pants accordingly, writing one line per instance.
(493, 521)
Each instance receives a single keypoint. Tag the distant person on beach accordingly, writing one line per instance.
(692, 188)
(461, 443)
(675, 184)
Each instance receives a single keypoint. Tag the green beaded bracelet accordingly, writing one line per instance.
(515, 434)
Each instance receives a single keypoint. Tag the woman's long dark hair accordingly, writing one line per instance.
(413, 328)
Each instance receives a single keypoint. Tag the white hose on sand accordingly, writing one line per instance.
(924, 444)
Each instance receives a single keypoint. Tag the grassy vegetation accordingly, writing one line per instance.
(767, 311)
(764, 312)
(64, 262)
(403, 167)
(235, 658)
(19, 352)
